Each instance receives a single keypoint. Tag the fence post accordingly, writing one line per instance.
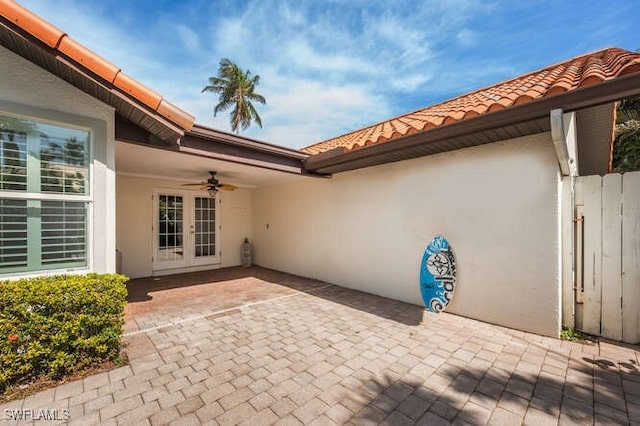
(631, 257)
(567, 237)
(611, 256)
(592, 278)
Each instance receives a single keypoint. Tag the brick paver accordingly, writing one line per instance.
(262, 347)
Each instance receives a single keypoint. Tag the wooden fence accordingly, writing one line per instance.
(607, 252)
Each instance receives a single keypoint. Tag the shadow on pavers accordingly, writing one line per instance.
(442, 397)
(139, 290)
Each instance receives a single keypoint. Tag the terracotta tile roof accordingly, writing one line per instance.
(60, 41)
(582, 71)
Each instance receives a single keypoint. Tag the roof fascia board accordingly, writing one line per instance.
(126, 131)
(243, 160)
(45, 51)
(246, 151)
(219, 136)
(116, 93)
(220, 156)
(619, 88)
(238, 153)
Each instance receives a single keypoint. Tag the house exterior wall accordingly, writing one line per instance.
(39, 94)
(135, 218)
(497, 204)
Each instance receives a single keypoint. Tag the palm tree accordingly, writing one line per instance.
(236, 89)
(626, 146)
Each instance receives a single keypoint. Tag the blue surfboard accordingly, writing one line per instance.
(437, 274)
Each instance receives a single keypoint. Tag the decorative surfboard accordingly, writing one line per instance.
(437, 274)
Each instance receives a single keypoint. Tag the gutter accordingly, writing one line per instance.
(212, 143)
(50, 59)
(618, 88)
(235, 140)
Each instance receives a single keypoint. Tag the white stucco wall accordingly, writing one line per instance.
(35, 92)
(135, 218)
(367, 229)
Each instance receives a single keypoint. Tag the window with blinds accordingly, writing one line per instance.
(13, 160)
(63, 166)
(64, 232)
(13, 233)
(44, 195)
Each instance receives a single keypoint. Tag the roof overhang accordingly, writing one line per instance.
(139, 124)
(164, 165)
(205, 142)
(32, 49)
(521, 120)
(213, 143)
(143, 117)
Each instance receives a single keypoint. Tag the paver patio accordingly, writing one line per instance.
(255, 346)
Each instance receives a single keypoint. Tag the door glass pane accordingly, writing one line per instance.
(170, 225)
(205, 241)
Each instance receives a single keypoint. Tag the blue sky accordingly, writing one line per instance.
(328, 67)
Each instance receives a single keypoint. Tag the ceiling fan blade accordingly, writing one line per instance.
(195, 184)
(227, 187)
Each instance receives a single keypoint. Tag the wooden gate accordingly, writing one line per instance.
(607, 253)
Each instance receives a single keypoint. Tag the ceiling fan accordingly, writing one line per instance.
(213, 185)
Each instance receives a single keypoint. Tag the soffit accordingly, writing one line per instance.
(162, 164)
(36, 40)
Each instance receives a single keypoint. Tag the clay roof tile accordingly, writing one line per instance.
(31, 23)
(592, 68)
(56, 39)
(90, 60)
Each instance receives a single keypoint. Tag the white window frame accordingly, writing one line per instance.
(98, 134)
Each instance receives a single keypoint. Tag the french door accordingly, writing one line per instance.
(184, 230)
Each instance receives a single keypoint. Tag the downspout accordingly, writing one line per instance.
(566, 152)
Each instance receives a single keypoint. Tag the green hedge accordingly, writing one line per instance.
(52, 326)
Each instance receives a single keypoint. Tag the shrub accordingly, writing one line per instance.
(573, 335)
(53, 326)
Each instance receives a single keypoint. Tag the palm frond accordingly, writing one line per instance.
(255, 115)
(628, 109)
(626, 146)
(222, 106)
(254, 97)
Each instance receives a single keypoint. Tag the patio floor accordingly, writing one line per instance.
(155, 301)
(256, 346)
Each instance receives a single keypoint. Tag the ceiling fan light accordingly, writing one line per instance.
(212, 191)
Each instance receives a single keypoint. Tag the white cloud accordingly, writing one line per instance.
(230, 36)
(303, 56)
(325, 69)
(188, 37)
(309, 111)
(467, 37)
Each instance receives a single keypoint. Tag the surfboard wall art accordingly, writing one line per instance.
(438, 274)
